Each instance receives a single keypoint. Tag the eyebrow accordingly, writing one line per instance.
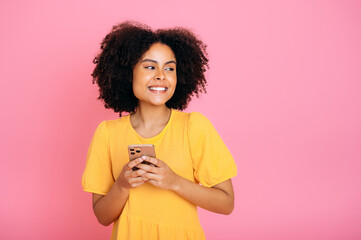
(150, 60)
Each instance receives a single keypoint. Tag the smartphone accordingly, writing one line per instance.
(136, 151)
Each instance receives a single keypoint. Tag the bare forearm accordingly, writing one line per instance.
(108, 208)
(212, 199)
(219, 198)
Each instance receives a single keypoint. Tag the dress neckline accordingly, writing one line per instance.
(156, 137)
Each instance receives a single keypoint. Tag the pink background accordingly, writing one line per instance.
(284, 93)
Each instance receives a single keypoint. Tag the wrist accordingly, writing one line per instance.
(120, 186)
(177, 184)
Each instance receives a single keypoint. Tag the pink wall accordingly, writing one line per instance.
(284, 93)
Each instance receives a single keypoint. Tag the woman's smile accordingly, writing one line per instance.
(155, 76)
(158, 89)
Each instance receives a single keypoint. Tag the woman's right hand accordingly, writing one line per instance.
(107, 208)
(129, 178)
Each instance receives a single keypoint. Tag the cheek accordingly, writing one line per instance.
(174, 85)
(136, 85)
(173, 79)
(136, 90)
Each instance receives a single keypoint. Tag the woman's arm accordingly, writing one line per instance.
(107, 208)
(219, 198)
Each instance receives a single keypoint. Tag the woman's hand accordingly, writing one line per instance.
(219, 198)
(107, 208)
(129, 178)
(159, 173)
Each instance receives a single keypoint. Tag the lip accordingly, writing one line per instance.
(159, 89)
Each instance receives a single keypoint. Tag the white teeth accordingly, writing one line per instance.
(158, 88)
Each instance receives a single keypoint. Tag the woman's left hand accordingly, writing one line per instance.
(159, 173)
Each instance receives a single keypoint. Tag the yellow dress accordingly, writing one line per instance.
(190, 146)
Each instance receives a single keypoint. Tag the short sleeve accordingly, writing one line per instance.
(212, 161)
(97, 176)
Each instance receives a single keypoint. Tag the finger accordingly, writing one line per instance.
(152, 160)
(134, 162)
(137, 173)
(136, 180)
(148, 168)
(134, 185)
(152, 176)
(153, 182)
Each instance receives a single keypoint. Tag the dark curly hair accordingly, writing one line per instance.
(123, 47)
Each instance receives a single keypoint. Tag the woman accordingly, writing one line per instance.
(152, 75)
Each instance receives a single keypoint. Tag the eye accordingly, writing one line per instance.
(170, 69)
(150, 67)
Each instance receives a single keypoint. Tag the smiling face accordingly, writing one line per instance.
(155, 76)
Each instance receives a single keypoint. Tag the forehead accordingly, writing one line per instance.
(159, 51)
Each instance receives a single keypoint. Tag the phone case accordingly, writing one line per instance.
(136, 151)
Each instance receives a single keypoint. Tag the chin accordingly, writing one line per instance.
(155, 101)
(159, 102)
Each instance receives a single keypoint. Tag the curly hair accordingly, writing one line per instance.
(123, 47)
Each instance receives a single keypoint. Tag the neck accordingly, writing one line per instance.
(150, 115)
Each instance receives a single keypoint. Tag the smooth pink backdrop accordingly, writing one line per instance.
(284, 93)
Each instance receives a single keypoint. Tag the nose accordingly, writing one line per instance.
(159, 75)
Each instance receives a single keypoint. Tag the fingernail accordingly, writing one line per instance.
(144, 157)
(140, 160)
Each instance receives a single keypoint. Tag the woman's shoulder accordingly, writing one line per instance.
(112, 124)
(194, 120)
(199, 120)
(194, 116)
